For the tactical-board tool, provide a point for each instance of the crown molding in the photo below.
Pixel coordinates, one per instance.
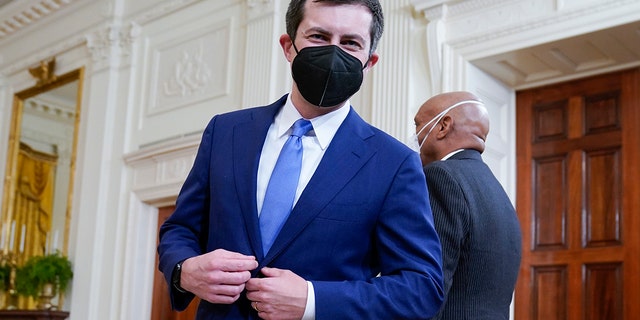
(162, 10)
(472, 32)
(21, 14)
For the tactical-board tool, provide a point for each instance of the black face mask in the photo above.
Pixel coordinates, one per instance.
(326, 76)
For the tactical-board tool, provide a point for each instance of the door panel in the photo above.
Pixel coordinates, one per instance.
(161, 305)
(577, 157)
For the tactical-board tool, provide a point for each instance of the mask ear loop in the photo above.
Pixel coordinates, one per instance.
(366, 62)
(441, 115)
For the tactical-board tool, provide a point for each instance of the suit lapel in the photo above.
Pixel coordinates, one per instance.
(248, 139)
(346, 154)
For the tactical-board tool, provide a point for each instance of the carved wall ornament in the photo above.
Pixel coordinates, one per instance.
(191, 74)
(186, 70)
(111, 44)
(44, 72)
(259, 8)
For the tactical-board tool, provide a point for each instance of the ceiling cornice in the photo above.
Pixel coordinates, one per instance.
(21, 14)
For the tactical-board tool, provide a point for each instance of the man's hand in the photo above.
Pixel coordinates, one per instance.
(218, 276)
(281, 294)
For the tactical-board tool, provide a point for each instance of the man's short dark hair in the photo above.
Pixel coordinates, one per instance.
(295, 13)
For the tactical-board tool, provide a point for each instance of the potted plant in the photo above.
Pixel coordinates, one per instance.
(44, 276)
(5, 273)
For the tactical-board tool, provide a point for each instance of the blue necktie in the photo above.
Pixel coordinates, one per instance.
(281, 190)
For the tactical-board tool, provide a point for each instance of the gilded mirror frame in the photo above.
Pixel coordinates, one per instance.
(46, 81)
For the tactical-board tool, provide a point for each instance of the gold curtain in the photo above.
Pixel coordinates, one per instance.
(33, 207)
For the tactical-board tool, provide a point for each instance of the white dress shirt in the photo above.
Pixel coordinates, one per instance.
(314, 145)
(450, 154)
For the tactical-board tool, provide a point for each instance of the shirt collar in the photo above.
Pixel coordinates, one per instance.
(449, 155)
(324, 126)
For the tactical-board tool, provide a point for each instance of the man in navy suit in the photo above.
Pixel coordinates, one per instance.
(359, 241)
(476, 222)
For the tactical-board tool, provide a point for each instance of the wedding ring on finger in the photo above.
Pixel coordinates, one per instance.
(255, 306)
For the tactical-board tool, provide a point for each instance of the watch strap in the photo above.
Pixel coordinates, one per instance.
(175, 277)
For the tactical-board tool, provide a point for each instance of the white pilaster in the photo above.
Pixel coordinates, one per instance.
(266, 70)
(100, 204)
(390, 83)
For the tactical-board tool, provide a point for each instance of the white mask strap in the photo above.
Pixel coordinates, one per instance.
(440, 116)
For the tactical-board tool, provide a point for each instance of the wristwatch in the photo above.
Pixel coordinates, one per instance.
(175, 277)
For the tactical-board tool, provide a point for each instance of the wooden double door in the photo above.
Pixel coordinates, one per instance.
(578, 199)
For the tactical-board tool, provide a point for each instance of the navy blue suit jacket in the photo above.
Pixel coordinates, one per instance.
(362, 230)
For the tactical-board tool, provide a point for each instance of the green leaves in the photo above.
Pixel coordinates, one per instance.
(5, 272)
(40, 270)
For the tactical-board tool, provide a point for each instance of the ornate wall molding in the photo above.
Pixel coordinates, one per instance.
(60, 111)
(475, 29)
(191, 74)
(471, 6)
(25, 13)
(111, 45)
(259, 8)
(431, 10)
(162, 10)
(495, 19)
(160, 170)
(187, 69)
(40, 55)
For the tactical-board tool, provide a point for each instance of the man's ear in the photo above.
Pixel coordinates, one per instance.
(444, 126)
(287, 47)
(373, 59)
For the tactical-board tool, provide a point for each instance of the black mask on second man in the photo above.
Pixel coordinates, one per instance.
(326, 75)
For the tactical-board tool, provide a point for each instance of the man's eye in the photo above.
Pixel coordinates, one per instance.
(352, 44)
